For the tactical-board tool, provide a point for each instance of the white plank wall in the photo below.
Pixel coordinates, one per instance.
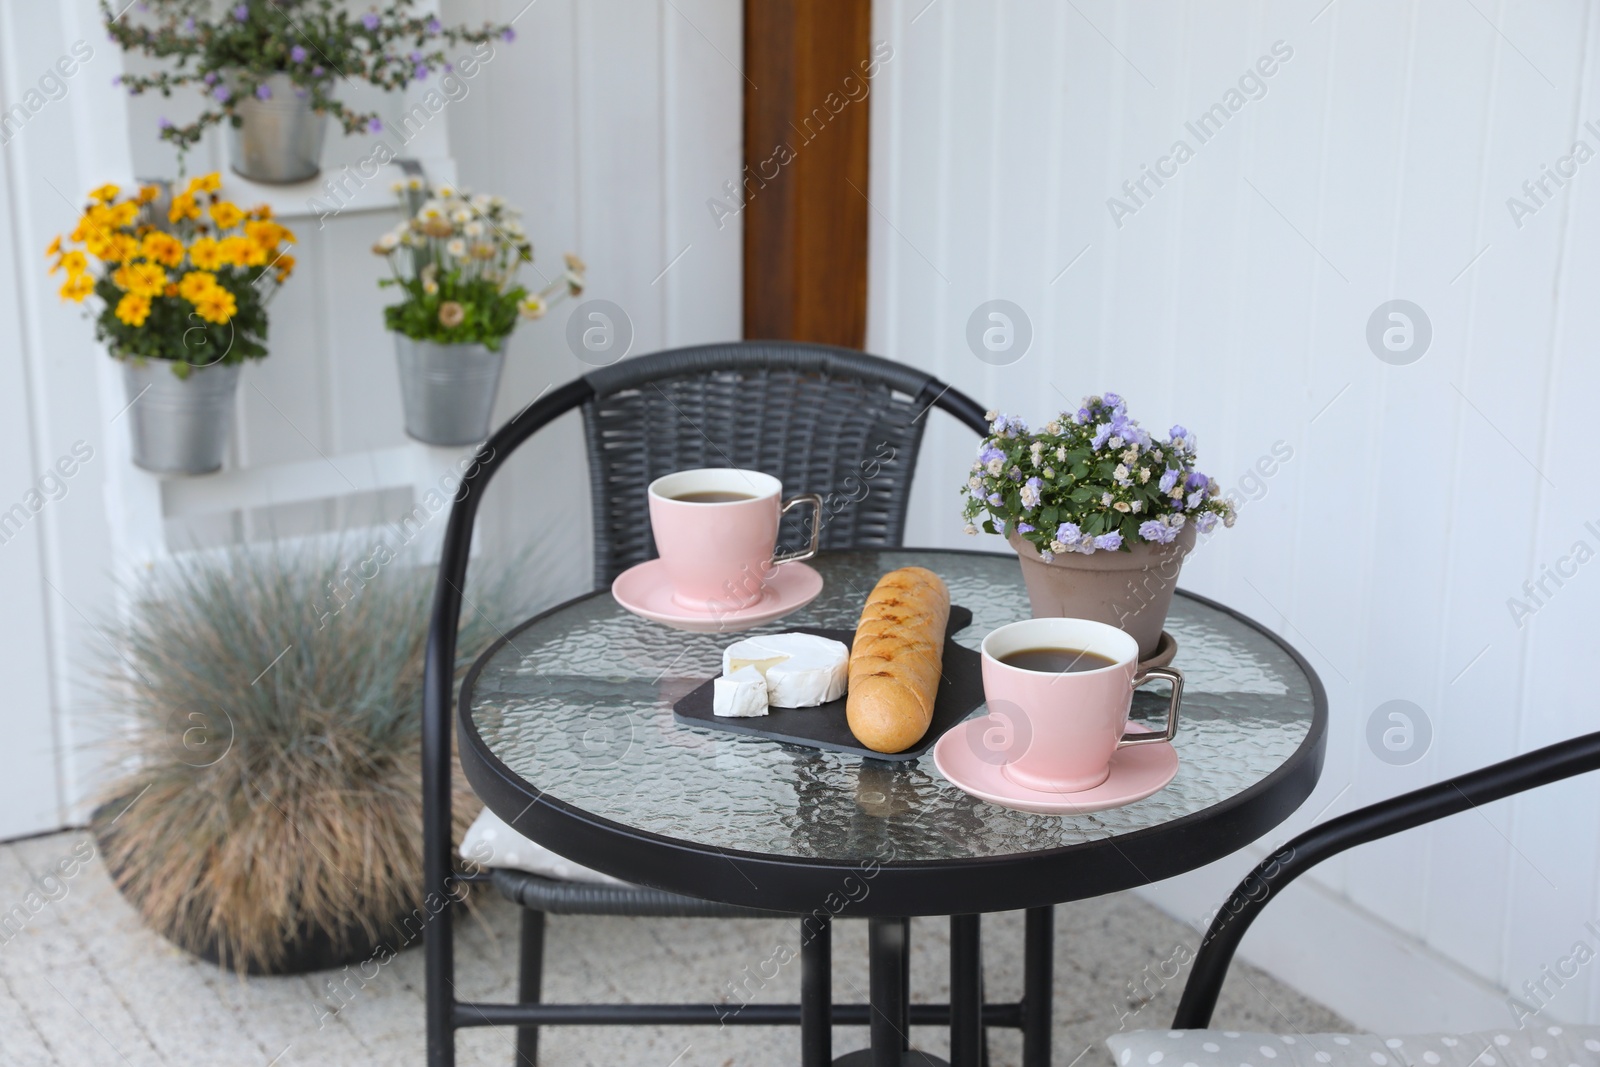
(1418, 499)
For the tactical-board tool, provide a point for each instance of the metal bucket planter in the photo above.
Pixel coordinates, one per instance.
(179, 425)
(279, 139)
(448, 390)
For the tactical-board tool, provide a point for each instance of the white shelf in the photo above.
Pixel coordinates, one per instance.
(343, 189)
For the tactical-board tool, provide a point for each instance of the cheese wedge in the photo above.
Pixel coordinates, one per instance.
(801, 670)
(740, 694)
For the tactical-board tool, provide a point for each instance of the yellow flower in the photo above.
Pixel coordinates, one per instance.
(142, 278)
(124, 214)
(148, 193)
(261, 211)
(106, 193)
(227, 214)
(74, 261)
(285, 265)
(55, 247)
(119, 248)
(133, 309)
(242, 252)
(206, 254)
(205, 183)
(183, 207)
(77, 287)
(267, 234)
(216, 305)
(196, 284)
(163, 248)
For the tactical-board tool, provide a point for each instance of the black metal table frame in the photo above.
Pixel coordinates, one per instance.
(1033, 883)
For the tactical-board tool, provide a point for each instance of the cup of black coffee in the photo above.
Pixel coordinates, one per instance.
(1069, 685)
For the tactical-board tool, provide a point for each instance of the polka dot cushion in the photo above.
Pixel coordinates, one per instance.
(491, 842)
(1533, 1046)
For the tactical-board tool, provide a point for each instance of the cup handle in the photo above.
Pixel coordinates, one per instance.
(1176, 678)
(816, 526)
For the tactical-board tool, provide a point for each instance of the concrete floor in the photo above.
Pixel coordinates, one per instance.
(83, 983)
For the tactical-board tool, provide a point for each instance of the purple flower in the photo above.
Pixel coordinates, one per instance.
(994, 499)
(374, 125)
(1169, 478)
(1015, 474)
(1195, 499)
(1047, 555)
(1112, 400)
(509, 34)
(298, 53)
(1068, 533)
(1110, 542)
(164, 122)
(1177, 433)
(1101, 434)
(1205, 522)
(263, 91)
(1196, 481)
(241, 12)
(990, 453)
(1157, 532)
(370, 20)
(1083, 414)
(222, 94)
(210, 78)
(188, 24)
(316, 71)
(419, 72)
(433, 26)
(116, 80)
(1023, 527)
(1030, 493)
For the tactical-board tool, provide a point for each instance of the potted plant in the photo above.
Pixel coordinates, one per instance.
(268, 814)
(1100, 513)
(183, 283)
(455, 261)
(268, 68)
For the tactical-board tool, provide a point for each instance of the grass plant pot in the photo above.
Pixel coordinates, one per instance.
(277, 139)
(269, 719)
(447, 390)
(179, 425)
(1130, 590)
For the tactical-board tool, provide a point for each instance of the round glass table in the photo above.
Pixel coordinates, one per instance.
(567, 732)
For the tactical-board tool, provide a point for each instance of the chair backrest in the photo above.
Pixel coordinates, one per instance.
(831, 421)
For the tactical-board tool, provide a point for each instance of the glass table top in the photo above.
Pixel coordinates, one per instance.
(579, 705)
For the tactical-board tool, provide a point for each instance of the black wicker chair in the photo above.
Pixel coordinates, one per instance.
(1450, 797)
(811, 415)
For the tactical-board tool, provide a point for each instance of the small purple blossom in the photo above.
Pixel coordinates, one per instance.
(420, 72)
(222, 94)
(241, 12)
(1169, 478)
(164, 122)
(1102, 434)
(1023, 527)
(210, 78)
(188, 24)
(374, 125)
(316, 71)
(1047, 555)
(116, 80)
(433, 26)
(1112, 400)
(1068, 533)
(1195, 499)
(1030, 493)
(1109, 542)
(509, 34)
(1157, 532)
(1205, 522)
(994, 499)
(1196, 480)
(370, 20)
(989, 454)
(298, 53)
(263, 91)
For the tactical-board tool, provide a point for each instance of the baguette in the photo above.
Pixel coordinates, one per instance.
(895, 659)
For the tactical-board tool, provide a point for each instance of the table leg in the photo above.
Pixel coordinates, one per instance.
(888, 947)
(966, 992)
(816, 991)
(1038, 958)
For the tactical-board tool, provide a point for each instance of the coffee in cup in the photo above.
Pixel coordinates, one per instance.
(716, 529)
(1061, 690)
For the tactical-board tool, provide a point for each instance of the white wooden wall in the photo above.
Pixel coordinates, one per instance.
(609, 129)
(1418, 499)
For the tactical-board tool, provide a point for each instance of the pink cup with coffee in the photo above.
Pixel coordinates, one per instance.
(716, 529)
(1058, 728)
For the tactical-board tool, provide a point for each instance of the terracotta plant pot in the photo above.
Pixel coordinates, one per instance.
(1129, 590)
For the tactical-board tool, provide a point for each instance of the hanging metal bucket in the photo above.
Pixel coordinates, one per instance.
(179, 425)
(279, 139)
(448, 390)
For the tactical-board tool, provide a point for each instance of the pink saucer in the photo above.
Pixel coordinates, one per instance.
(1136, 773)
(644, 590)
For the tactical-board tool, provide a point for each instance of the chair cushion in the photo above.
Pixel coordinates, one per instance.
(491, 842)
(1548, 1045)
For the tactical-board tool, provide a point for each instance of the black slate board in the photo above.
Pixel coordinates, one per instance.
(825, 726)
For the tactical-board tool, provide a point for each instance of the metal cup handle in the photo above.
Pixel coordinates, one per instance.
(816, 526)
(1176, 678)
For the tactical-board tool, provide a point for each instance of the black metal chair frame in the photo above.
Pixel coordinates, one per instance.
(445, 1011)
(1407, 811)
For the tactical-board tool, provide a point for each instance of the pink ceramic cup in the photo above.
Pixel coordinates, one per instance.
(720, 556)
(1057, 732)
